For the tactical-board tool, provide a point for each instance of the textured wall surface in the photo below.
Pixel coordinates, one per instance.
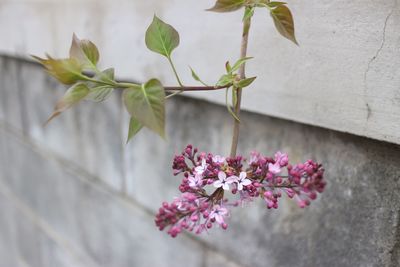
(73, 195)
(344, 76)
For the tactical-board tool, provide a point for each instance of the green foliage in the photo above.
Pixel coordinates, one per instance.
(85, 52)
(73, 96)
(239, 63)
(248, 13)
(134, 127)
(146, 104)
(283, 20)
(67, 71)
(228, 105)
(225, 80)
(227, 5)
(161, 37)
(245, 82)
(100, 92)
(197, 78)
(231, 78)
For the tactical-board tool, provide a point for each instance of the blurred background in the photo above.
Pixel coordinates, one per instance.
(74, 195)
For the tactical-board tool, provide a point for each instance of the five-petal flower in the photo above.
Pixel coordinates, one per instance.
(241, 180)
(202, 168)
(223, 181)
(218, 213)
(195, 181)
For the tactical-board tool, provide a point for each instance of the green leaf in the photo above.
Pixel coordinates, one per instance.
(239, 63)
(248, 13)
(146, 104)
(225, 80)
(284, 22)
(227, 5)
(106, 75)
(67, 71)
(245, 82)
(75, 94)
(134, 128)
(275, 4)
(100, 93)
(228, 106)
(197, 78)
(228, 67)
(161, 38)
(84, 51)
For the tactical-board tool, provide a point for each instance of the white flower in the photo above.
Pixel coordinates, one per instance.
(202, 168)
(241, 180)
(218, 213)
(195, 181)
(223, 181)
(218, 159)
(274, 168)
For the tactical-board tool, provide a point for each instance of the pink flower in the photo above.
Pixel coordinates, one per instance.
(202, 168)
(281, 158)
(218, 213)
(254, 157)
(195, 181)
(197, 210)
(274, 168)
(223, 181)
(241, 180)
(218, 159)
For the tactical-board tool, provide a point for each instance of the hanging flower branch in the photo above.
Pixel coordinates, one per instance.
(207, 178)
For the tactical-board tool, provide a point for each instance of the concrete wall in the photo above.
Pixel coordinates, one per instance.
(344, 76)
(73, 194)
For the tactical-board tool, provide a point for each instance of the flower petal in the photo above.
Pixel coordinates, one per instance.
(217, 184)
(246, 182)
(225, 186)
(221, 176)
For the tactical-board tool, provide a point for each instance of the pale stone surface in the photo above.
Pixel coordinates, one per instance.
(354, 223)
(24, 243)
(213, 259)
(344, 76)
(362, 194)
(90, 124)
(110, 230)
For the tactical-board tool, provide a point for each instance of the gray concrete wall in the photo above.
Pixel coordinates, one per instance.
(73, 195)
(344, 76)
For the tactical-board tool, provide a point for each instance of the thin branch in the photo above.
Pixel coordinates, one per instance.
(242, 74)
(195, 88)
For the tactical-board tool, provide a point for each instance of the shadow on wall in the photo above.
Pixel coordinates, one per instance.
(73, 194)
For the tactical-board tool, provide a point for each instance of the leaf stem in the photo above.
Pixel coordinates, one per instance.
(242, 74)
(175, 72)
(195, 88)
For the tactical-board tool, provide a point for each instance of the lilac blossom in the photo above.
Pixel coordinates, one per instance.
(196, 180)
(281, 158)
(274, 168)
(217, 159)
(201, 168)
(223, 181)
(241, 180)
(207, 180)
(218, 213)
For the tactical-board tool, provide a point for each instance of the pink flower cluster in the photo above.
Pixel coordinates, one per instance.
(207, 178)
